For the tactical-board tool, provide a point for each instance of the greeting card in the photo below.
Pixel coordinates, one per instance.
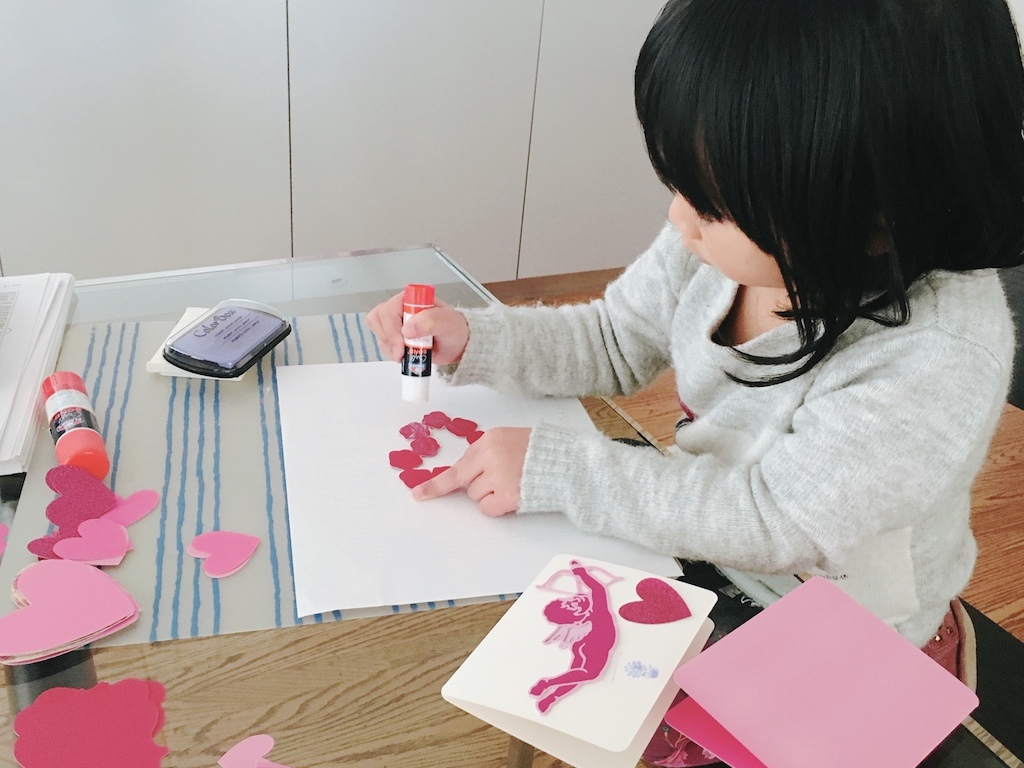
(581, 665)
(816, 679)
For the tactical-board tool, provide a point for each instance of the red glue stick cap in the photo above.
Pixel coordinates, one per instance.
(418, 295)
(84, 448)
(63, 380)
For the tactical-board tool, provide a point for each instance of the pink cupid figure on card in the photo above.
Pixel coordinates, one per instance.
(586, 624)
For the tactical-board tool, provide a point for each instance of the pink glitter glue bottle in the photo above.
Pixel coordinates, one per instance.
(73, 424)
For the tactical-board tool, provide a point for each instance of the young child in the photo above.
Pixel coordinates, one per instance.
(847, 174)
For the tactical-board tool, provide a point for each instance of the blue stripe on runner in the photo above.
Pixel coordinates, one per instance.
(216, 496)
(179, 528)
(130, 368)
(348, 338)
(200, 504)
(161, 537)
(334, 335)
(269, 491)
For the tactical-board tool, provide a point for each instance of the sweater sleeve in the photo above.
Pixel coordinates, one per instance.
(889, 427)
(614, 345)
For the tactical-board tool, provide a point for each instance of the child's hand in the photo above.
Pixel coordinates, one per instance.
(445, 323)
(490, 470)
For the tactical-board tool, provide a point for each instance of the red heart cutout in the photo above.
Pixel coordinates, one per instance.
(425, 446)
(462, 427)
(405, 459)
(414, 477)
(659, 603)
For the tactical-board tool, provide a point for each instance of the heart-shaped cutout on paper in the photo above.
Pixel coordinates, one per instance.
(414, 477)
(62, 605)
(659, 603)
(99, 542)
(250, 753)
(224, 552)
(80, 497)
(131, 509)
(110, 724)
(4, 530)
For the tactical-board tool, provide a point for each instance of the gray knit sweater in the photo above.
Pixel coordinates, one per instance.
(879, 442)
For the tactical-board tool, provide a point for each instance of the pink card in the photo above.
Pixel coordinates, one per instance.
(816, 678)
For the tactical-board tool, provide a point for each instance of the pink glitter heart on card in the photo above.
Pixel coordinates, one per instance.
(99, 542)
(224, 552)
(250, 753)
(659, 603)
(80, 497)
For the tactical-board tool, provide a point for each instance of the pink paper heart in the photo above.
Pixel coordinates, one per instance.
(131, 509)
(462, 427)
(414, 430)
(414, 477)
(404, 459)
(659, 603)
(99, 542)
(225, 552)
(4, 530)
(110, 724)
(80, 497)
(436, 419)
(63, 605)
(250, 753)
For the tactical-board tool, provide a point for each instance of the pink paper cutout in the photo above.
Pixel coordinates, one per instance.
(405, 459)
(422, 445)
(131, 509)
(112, 725)
(99, 542)
(225, 552)
(4, 530)
(414, 430)
(250, 753)
(80, 496)
(659, 603)
(586, 624)
(426, 446)
(62, 605)
(414, 477)
(436, 420)
(462, 427)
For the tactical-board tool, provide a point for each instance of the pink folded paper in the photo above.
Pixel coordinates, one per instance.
(816, 679)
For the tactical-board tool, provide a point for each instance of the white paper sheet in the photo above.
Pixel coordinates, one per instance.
(359, 539)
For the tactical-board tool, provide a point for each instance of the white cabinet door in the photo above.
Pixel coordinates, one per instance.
(138, 136)
(411, 124)
(593, 200)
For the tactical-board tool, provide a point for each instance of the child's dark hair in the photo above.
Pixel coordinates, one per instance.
(861, 143)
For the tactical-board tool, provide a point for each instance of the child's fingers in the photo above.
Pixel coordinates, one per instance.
(385, 320)
(441, 484)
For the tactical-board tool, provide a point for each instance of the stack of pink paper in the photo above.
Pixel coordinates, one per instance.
(62, 605)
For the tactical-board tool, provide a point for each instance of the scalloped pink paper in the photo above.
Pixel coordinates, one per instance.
(110, 724)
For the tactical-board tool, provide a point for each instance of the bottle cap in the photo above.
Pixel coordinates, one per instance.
(416, 389)
(63, 380)
(418, 295)
(83, 448)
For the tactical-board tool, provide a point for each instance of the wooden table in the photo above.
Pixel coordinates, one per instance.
(366, 692)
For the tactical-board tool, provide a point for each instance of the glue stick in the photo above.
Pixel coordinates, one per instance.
(416, 359)
(73, 424)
